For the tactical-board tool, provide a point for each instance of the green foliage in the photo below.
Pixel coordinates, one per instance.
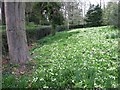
(33, 33)
(81, 58)
(113, 35)
(9, 81)
(111, 14)
(94, 16)
(50, 11)
(113, 17)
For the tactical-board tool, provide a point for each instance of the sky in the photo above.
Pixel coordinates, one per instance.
(95, 2)
(98, 1)
(91, 1)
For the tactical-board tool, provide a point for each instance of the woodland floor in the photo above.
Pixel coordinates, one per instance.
(79, 58)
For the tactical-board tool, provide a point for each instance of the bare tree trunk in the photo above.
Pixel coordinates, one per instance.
(16, 35)
(0, 13)
(100, 3)
(53, 29)
(68, 14)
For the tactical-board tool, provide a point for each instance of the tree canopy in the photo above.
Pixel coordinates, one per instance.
(94, 16)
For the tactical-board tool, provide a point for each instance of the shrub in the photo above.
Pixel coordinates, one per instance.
(61, 28)
(76, 26)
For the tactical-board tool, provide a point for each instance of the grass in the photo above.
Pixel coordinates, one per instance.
(80, 58)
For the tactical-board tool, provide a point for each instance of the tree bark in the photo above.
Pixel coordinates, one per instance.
(16, 35)
(0, 13)
(53, 30)
(3, 14)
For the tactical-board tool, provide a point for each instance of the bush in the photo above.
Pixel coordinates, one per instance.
(64, 27)
(61, 28)
(76, 26)
(36, 34)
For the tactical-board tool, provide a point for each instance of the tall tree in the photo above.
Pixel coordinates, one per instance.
(94, 16)
(110, 15)
(51, 12)
(72, 12)
(16, 35)
(28, 11)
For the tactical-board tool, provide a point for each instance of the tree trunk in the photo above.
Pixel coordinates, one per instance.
(53, 30)
(16, 35)
(0, 13)
(3, 14)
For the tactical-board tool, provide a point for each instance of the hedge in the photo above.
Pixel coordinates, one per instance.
(34, 34)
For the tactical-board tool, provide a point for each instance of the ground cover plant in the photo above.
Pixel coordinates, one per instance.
(79, 58)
